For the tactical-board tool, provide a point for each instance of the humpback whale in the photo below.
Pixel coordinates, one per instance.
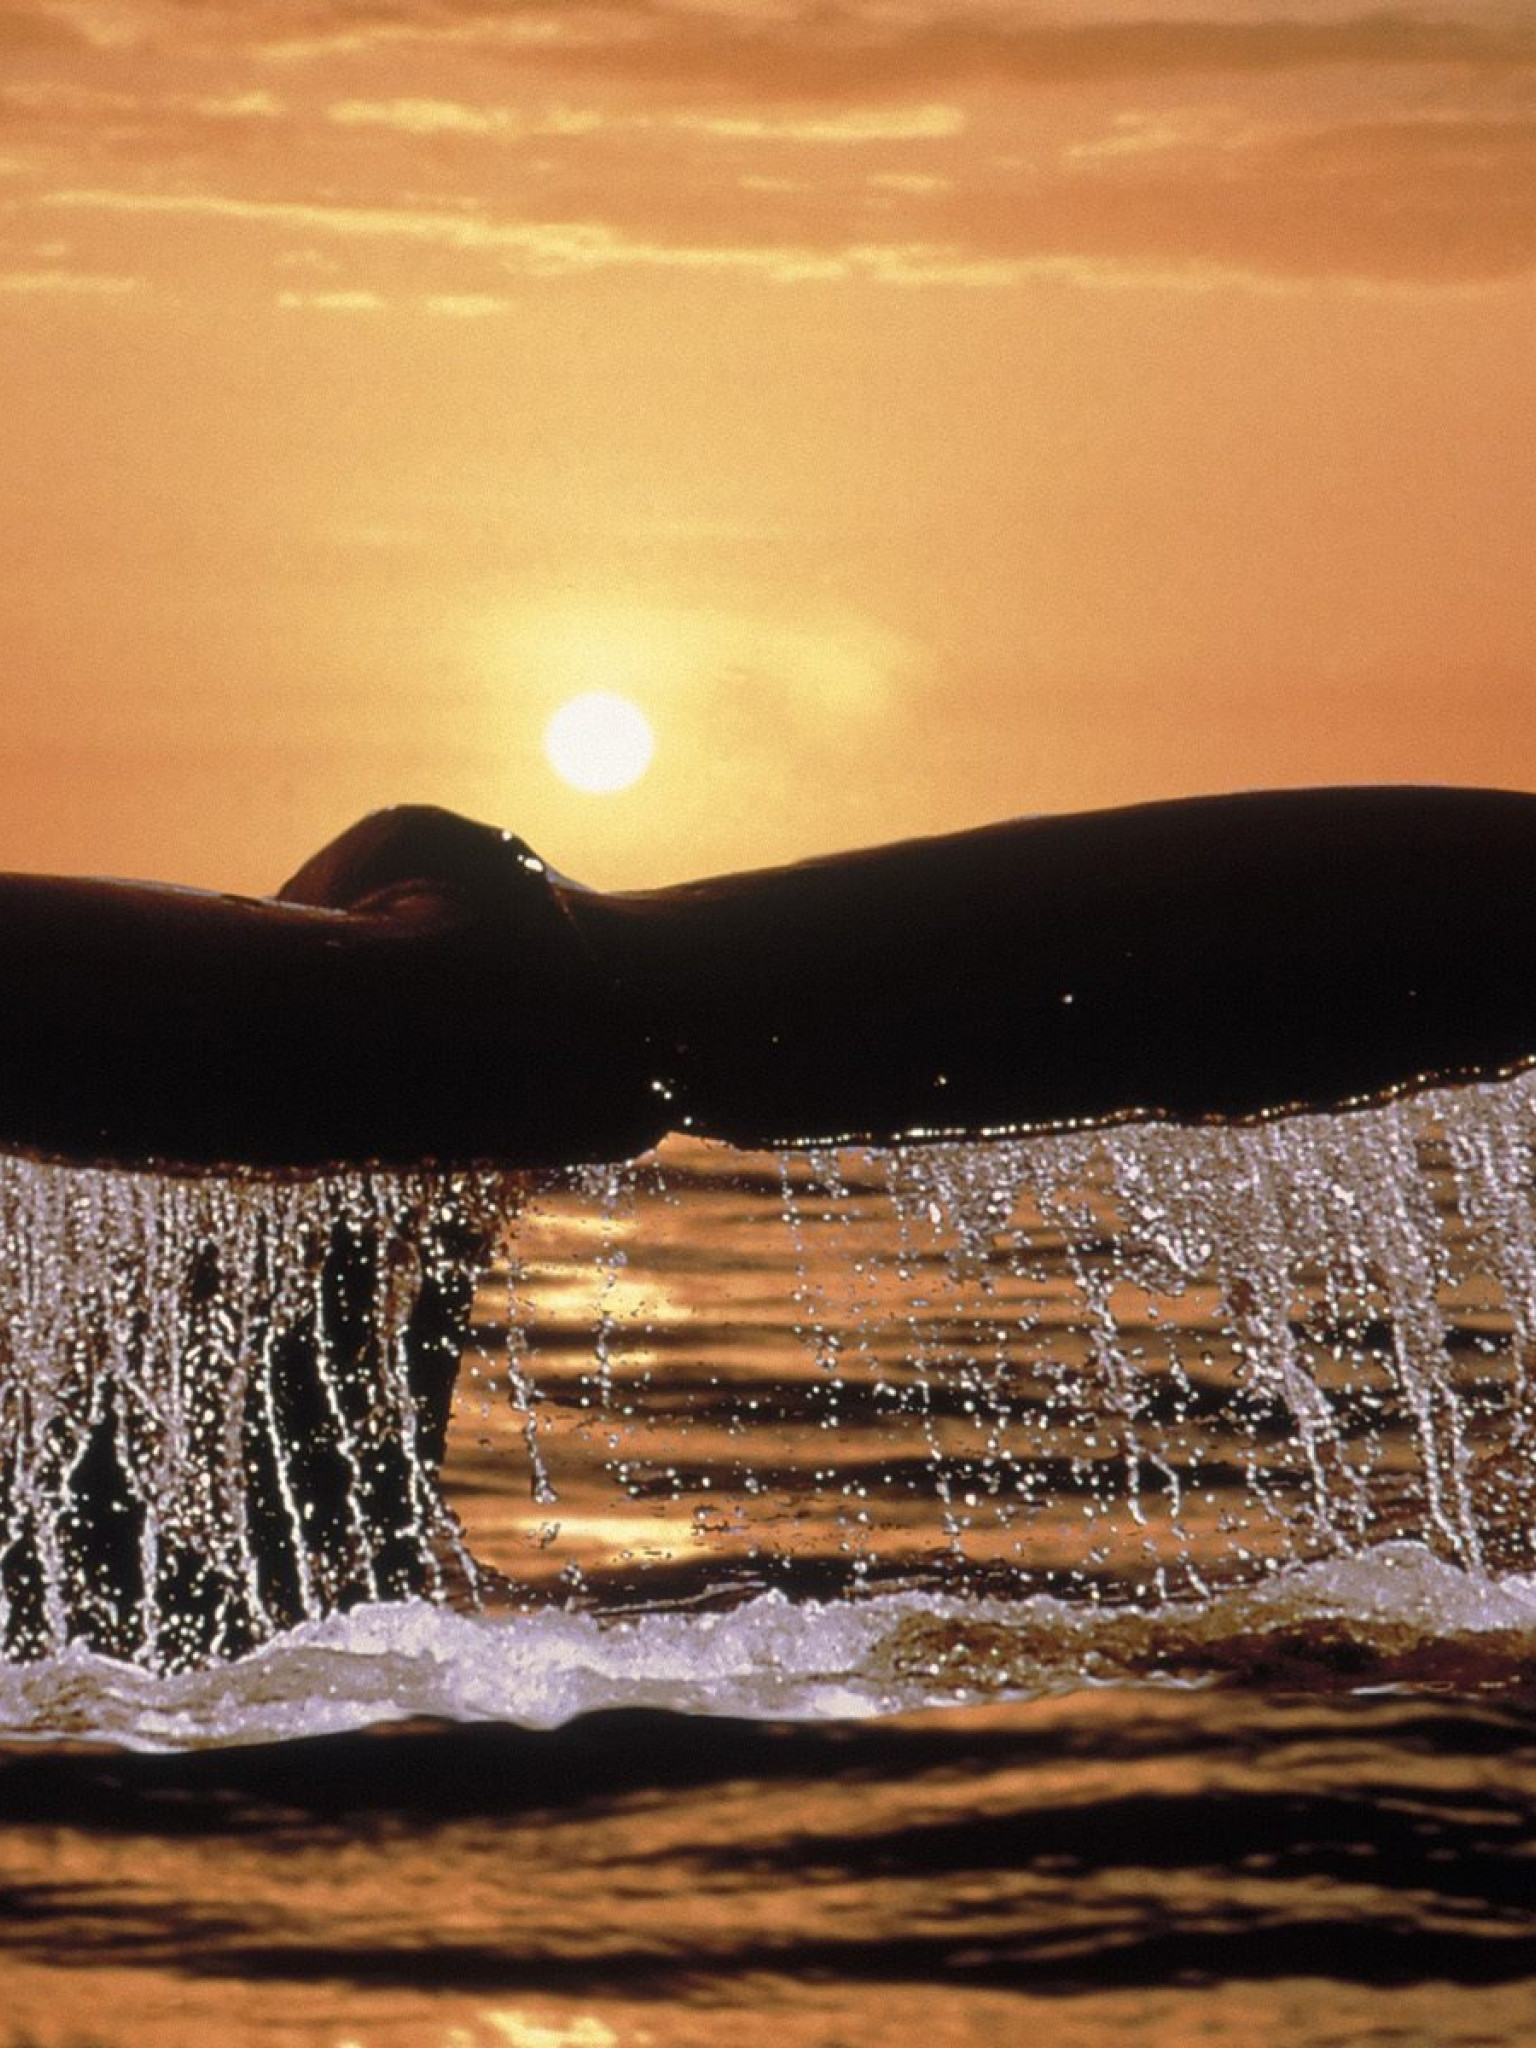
(427, 989)
(426, 992)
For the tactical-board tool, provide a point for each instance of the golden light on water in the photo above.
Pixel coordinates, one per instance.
(599, 742)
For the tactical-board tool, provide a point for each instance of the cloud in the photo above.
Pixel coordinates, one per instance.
(447, 229)
(1138, 134)
(849, 52)
(67, 284)
(860, 125)
(855, 125)
(1445, 146)
(425, 117)
(1450, 198)
(299, 34)
(312, 261)
(909, 183)
(844, 50)
(901, 170)
(465, 305)
(51, 109)
(1445, 199)
(332, 302)
(559, 248)
(67, 100)
(34, 28)
(435, 117)
(238, 106)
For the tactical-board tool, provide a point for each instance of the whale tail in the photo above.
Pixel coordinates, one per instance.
(426, 988)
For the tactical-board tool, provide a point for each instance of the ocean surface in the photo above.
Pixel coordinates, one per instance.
(1024, 1591)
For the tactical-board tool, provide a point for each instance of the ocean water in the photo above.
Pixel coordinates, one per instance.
(1064, 1585)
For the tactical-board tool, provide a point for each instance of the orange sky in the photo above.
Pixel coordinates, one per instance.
(927, 413)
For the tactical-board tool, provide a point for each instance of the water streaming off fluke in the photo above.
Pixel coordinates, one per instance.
(1093, 1401)
(220, 1400)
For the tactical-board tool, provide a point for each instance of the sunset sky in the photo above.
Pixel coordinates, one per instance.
(925, 413)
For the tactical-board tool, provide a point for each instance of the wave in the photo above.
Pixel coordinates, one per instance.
(1393, 1617)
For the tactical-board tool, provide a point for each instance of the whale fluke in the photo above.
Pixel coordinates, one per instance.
(426, 989)
(1218, 958)
(426, 993)
(416, 994)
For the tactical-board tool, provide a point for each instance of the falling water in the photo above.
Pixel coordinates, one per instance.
(216, 1400)
(1113, 1370)
(1116, 1365)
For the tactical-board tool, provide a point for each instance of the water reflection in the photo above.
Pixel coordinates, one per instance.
(631, 1870)
(1122, 1367)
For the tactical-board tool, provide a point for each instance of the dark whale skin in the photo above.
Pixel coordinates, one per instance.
(426, 990)
(440, 1009)
(1224, 957)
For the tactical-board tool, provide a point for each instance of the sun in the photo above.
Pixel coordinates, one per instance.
(599, 742)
